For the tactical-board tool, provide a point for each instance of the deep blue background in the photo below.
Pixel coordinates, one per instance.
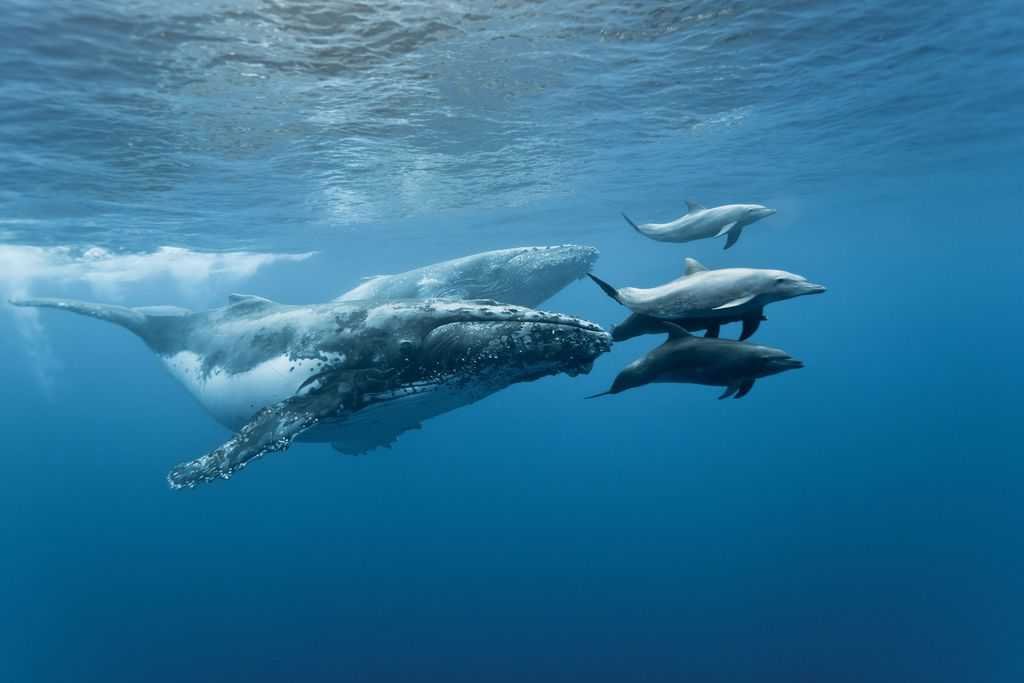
(857, 520)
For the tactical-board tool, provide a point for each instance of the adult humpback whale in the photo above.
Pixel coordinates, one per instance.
(526, 276)
(352, 373)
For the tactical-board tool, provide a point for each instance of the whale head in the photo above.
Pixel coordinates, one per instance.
(524, 276)
(528, 276)
(401, 349)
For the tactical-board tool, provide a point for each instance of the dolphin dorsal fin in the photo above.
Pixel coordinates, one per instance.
(692, 206)
(675, 331)
(692, 266)
(247, 298)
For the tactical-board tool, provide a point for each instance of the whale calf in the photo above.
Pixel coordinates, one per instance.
(725, 294)
(351, 373)
(688, 359)
(525, 276)
(701, 223)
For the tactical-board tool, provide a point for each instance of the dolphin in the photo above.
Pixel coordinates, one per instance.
(700, 223)
(638, 323)
(685, 358)
(353, 374)
(725, 295)
(525, 276)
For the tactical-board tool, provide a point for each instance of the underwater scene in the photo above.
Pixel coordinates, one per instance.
(511, 341)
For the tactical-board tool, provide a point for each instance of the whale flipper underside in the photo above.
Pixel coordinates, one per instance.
(272, 429)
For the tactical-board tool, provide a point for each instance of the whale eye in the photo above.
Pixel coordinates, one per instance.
(406, 347)
(781, 280)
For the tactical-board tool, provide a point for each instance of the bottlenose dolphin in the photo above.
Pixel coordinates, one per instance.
(700, 223)
(685, 358)
(638, 323)
(725, 294)
(354, 374)
(525, 276)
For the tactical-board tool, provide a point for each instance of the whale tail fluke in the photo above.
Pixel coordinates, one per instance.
(138, 320)
(605, 287)
(630, 221)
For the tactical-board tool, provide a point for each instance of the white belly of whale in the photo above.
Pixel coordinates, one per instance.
(233, 398)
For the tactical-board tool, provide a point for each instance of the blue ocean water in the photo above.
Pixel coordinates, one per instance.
(856, 520)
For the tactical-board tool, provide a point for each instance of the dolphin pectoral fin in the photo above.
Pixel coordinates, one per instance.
(734, 235)
(734, 303)
(729, 391)
(692, 206)
(725, 229)
(745, 387)
(713, 331)
(272, 429)
(750, 325)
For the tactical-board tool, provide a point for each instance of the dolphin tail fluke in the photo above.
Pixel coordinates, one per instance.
(119, 315)
(607, 288)
(630, 221)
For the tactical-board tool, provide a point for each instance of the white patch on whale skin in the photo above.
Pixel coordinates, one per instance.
(233, 398)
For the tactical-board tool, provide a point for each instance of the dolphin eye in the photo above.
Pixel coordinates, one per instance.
(781, 280)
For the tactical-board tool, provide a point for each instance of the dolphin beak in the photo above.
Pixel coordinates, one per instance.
(816, 289)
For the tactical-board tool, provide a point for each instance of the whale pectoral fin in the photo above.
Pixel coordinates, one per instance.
(745, 387)
(729, 391)
(734, 235)
(713, 331)
(734, 303)
(725, 228)
(272, 429)
(750, 324)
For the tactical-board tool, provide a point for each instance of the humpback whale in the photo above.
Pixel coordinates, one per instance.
(725, 295)
(525, 276)
(700, 223)
(688, 359)
(355, 374)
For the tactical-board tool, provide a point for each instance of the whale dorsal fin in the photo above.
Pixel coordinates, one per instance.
(675, 331)
(692, 266)
(692, 206)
